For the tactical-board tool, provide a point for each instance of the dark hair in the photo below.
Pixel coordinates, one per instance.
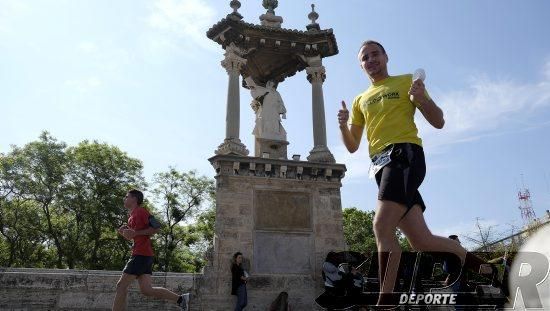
(280, 303)
(236, 255)
(372, 42)
(332, 257)
(453, 236)
(137, 194)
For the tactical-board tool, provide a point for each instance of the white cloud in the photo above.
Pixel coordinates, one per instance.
(84, 85)
(87, 47)
(488, 107)
(180, 23)
(106, 59)
(9, 11)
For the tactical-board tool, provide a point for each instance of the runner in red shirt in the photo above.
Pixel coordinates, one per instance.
(140, 266)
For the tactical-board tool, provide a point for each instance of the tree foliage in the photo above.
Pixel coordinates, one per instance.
(60, 207)
(180, 196)
(359, 234)
(358, 231)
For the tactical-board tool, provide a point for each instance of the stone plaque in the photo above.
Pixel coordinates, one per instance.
(282, 210)
(276, 252)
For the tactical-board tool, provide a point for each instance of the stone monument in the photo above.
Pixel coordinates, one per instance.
(283, 214)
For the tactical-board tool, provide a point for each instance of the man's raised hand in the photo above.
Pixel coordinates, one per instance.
(343, 115)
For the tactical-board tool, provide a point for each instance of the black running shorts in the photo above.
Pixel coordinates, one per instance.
(138, 265)
(400, 179)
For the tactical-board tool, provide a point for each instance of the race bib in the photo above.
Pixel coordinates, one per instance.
(379, 161)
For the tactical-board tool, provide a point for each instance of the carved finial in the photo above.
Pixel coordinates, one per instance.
(313, 16)
(235, 5)
(270, 5)
(269, 18)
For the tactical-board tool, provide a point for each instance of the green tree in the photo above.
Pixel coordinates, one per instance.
(21, 241)
(358, 231)
(66, 203)
(60, 207)
(93, 197)
(37, 172)
(20, 229)
(180, 196)
(202, 233)
(359, 234)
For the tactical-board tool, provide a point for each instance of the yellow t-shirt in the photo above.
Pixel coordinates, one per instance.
(387, 113)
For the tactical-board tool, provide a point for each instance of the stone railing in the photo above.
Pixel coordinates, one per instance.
(83, 290)
(277, 168)
(51, 289)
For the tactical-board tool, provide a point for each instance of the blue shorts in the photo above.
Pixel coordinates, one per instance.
(138, 265)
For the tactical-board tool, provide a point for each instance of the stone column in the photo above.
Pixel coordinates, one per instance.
(316, 76)
(233, 63)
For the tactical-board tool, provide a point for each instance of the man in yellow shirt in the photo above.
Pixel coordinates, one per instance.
(386, 109)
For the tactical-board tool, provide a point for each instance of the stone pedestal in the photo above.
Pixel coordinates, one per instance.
(284, 216)
(320, 154)
(275, 148)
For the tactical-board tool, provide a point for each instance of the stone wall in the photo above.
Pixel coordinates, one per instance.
(81, 290)
(284, 216)
(51, 289)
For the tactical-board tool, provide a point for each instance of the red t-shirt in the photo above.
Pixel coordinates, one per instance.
(139, 220)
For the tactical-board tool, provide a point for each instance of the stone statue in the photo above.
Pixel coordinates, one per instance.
(268, 106)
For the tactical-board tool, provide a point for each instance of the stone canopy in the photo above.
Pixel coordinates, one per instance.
(273, 53)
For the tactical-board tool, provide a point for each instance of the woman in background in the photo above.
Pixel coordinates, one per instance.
(238, 281)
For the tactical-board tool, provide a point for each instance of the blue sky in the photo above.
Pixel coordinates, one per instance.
(142, 75)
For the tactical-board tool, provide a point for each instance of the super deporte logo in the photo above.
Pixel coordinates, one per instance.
(390, 95)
